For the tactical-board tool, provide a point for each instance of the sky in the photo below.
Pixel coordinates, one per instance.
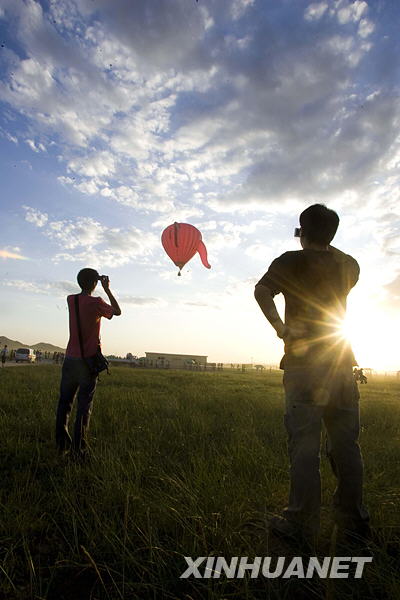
(120, 118)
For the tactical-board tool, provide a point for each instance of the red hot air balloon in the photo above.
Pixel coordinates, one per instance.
(181, 241)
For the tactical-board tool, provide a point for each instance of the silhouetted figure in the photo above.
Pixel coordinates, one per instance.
(359, 376)
(318, 376)
(4, 354)
(362, 378)
(76, 371)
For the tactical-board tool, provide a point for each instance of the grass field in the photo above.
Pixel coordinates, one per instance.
(184, 464)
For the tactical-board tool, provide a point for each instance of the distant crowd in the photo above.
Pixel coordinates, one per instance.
(56, 357)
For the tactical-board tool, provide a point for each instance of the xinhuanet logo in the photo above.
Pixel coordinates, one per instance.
(332, 567)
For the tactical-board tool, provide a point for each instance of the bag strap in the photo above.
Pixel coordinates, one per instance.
(78, 323)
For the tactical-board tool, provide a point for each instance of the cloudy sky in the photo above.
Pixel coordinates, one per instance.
(119, 118)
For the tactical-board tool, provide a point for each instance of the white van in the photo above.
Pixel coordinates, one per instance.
(24, 355)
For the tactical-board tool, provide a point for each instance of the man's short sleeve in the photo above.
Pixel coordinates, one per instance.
(352, 272)
(104, 309)
(279, 274)
(350, 269)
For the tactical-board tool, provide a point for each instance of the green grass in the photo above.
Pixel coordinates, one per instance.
(184, 464)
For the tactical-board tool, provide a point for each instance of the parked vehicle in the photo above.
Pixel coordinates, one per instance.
(24, 355)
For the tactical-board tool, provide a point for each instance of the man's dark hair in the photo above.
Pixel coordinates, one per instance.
(87, 278)
(319, 224)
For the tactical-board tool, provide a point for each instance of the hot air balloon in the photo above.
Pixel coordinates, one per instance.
(181, 241)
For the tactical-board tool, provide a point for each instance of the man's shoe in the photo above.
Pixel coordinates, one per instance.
(283, 528)
(357, 540)
(292, 532)
(354, 530)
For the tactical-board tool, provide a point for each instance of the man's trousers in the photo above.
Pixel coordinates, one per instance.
(329, 396)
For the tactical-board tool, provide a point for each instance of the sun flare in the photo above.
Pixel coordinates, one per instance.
(370, 333)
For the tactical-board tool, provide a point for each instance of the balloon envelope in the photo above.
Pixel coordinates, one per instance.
(181, 241)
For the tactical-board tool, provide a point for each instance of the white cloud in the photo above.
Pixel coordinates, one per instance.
(183, 214)
(352, 12)
(36, 147)
(260, 251)
(142, 301)
(365, 28)
(84, 231)
(84, 239)
(393, 290)
(219, 240)
(89, 187)
(171, 275)
(49, 288)
(99, 164)
(315, 11)
(12, 253)
(8, 136)
(155, 109)
(239, 7)
(35, 216)
(195, 305)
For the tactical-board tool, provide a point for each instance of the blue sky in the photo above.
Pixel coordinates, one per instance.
(119, 118)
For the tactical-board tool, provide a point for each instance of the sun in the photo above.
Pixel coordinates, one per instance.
(370, 333)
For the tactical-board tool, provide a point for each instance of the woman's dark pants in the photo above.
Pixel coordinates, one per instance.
(75, 376)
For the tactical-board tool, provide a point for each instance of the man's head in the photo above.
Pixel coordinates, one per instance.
(318, 224)
(87, 279)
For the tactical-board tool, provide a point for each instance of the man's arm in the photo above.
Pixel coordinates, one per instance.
(105, 282)
(264, 297)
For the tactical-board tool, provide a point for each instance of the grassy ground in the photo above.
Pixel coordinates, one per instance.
(184, 464)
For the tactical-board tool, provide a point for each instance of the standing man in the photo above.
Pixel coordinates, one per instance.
(318, 376)
(75, 370)
(4, 353)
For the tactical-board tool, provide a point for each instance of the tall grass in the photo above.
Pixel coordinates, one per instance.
(183, 464)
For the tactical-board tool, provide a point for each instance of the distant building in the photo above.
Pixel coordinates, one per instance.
(159, 360)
